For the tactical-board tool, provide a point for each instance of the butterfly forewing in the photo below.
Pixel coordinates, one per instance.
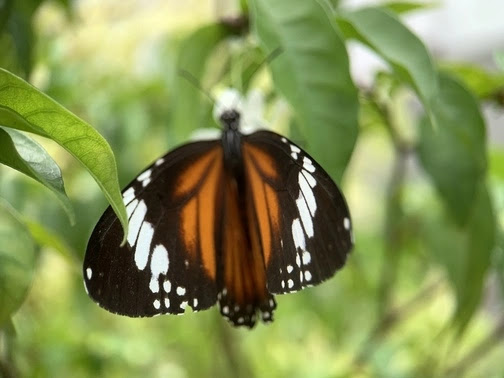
(305, 223)
(169, 261)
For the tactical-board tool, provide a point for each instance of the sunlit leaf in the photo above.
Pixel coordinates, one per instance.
(25, 108)
(481, 82)
(188, 105)
(389, 38)
(454, 154)
(402, 7)
(22, 153)
(17, 261)
(312, 72)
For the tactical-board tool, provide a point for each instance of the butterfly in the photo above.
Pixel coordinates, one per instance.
(233, 220)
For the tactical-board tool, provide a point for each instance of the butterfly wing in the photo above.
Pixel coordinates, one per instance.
(169, 260)
(303, 220)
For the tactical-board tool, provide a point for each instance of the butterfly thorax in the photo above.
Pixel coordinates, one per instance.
(231, 142)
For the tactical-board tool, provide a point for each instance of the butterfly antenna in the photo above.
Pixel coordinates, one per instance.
(269, 58)
(194, 81)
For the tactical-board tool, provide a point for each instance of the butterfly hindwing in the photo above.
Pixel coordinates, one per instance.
(169, 260)
(304, 221)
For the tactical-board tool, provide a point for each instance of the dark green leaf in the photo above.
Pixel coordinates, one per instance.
(17, 261)
(390, 39)
(188, 107)
(22, 153)
(25, 108)
(402, 7)
(465, 252)
(313, 74)
(454, 154)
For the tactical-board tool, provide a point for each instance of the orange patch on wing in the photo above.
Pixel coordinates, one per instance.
(207, 199)
(188, 217)
(265, 207)
(198, 215)
(274, 209)
(189, 179)
(244, 272)
(264, 162)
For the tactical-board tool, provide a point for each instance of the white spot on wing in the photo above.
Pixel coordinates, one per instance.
(146, 182)
(307, 275)
(289, 268)
(144, 175)
(346, 223)
(154, 285)
(159, 265)
(181, 290)
(295, 149)
(307, 194)
(128, 195)
(308, 165)
(159, 162)
(311, 180)
(298, 235)
(131, 207)
(298, 260)
(290, 284)
(143, 245)
(157, 304)
(195, 302)
(284, 139)
(183, 305)
(136, 222)
(305, 215)
(89, 273)
(306, 257)
(167, 286)
(167, 302)
(225, 310)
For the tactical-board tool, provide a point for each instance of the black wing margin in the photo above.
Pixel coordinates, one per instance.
(313, 236)
(166, 264)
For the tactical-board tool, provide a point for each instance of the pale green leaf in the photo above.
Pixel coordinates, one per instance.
(312, 72)
(17, 261)
(22, 153)
(404, 51)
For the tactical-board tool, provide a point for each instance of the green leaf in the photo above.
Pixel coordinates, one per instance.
(454, 154)
(22, 153)
(313, 74)
(389, 38)
(45, 237)
(402, 7)
(188, 107)
(25, 108)
(465, 252)
(17, 261)
(481, 82)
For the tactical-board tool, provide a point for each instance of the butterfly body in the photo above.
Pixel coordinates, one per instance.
(234, 220)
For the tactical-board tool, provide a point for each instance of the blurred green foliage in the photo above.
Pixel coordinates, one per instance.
(422, 293)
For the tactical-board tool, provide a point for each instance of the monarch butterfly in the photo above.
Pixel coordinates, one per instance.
(234, 220)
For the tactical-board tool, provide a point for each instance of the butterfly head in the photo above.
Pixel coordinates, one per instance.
(230, 119)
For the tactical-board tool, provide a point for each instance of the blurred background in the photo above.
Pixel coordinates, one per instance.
(388, 313)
